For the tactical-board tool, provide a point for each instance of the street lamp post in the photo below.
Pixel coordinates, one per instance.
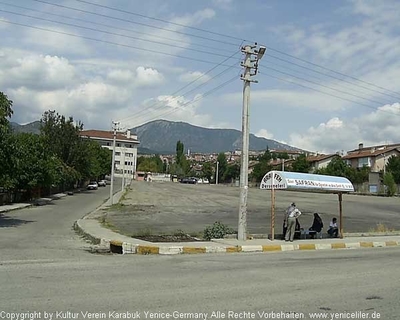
(248, 65)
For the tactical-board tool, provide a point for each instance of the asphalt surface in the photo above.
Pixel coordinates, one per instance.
(45, 232)
(45, 266)
(329, 282)
(154, 208)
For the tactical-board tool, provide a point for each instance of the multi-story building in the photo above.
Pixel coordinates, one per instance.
(375, 157)
(125, 149)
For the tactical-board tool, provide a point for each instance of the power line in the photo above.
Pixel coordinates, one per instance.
(328, 75)
(232, 37)
(297, 71)
(187, 85)
(161, 20)
(112, 33)
(105, 41)
(110, 26)
(329, 94)
(203, 30)
(196, 99)
(330, 70)
(134, 22)
(322, 85)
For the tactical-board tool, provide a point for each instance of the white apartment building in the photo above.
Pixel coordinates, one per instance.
(125, 149)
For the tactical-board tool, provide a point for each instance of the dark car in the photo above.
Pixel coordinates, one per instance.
(189, 180)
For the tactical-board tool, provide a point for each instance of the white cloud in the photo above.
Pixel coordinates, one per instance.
(192, 76)
(35, 71)
(58, 43)
(174, 108)
(292, 99)
(378, 127)
(121, 76)
(148, 77)
(263, 133)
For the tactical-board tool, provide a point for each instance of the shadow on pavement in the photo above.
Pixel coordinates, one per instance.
(7, 221)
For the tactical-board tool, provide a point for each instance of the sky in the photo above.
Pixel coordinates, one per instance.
(328, 81)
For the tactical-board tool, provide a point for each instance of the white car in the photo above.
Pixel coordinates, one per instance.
(102, 183)
(92, 185)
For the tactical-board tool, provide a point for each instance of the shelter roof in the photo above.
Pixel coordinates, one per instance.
(305, 181)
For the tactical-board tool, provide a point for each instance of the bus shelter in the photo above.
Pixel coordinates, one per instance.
(281, 180)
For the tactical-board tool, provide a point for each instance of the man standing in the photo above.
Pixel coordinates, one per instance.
(292, 214)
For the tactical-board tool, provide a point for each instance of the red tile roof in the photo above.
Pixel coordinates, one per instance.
(108, 135)
(320, 157)
(369, 153)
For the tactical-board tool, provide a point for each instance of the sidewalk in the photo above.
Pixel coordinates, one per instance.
(37, 202)
(122, 244)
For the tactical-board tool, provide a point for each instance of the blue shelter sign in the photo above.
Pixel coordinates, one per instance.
(305, 181)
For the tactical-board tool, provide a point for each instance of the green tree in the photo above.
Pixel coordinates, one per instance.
(6, 155)
(152, 164)
(222, 165)
(390, 184)
(182, 166)
(262, 167)
(179, 153)
(207, 170)
(232, 172)
(393, 166)
(301, 164)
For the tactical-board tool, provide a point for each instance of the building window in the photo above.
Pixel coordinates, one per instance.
(117, 162)
(118, 144)
(117, 154)
(364, 162)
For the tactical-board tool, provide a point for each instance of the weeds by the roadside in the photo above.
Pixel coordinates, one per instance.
(107, 224)
(381, 228)
(143, 233)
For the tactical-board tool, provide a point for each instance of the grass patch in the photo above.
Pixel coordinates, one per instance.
(381, 228)
(143, 233)
(107, 224)
(117, 207)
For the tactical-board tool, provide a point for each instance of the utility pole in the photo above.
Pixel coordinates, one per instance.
(123, 168)
(216, 174)
(248, 64)
(115, 127)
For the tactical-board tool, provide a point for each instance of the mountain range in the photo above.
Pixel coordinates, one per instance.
(161, 136)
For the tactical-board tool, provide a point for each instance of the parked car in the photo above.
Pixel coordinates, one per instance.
(92, 185)
(203, 180)
(189, 180)
(102, 183)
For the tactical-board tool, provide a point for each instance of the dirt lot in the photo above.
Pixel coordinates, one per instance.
(174, 208)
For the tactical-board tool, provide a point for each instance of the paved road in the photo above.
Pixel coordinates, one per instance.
(45, 232)
(168, 207)
(44, 266)
(335, 281)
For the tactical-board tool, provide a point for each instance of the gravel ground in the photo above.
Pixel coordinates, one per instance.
(172, 208)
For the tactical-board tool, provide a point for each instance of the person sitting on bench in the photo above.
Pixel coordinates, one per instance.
(316, 226)
(333, 230)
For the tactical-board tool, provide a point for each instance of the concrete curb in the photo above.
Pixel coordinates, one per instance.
(117, 246)
(13, 207)
(118, 243)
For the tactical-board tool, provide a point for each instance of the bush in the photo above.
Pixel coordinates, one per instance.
(217, 231)
(390, 185)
